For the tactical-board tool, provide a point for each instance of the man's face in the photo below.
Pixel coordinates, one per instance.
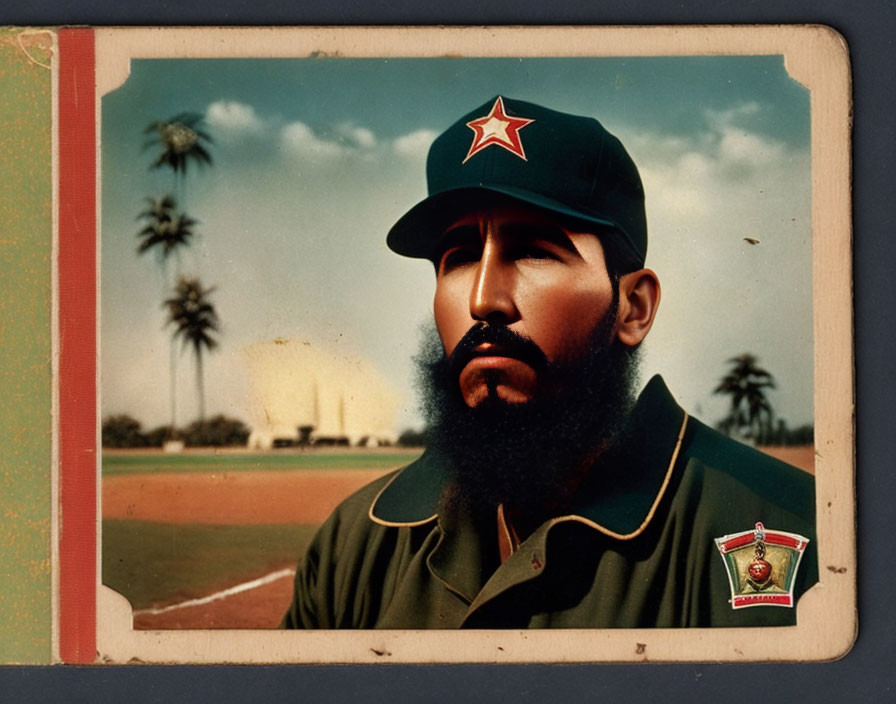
(515, 267)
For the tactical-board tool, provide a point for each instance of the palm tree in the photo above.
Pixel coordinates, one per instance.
(195, 322)
(181, 140)
(167, 230)
(746, 383)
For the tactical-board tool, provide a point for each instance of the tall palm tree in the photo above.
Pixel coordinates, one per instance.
(746, 383)
(182, 140)
(167, 230)
(195, 323)
(179, 141)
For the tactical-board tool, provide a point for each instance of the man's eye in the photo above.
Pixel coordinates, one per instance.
(459, 256)
(532, 251)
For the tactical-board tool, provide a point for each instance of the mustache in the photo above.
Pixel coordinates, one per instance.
(509, 343)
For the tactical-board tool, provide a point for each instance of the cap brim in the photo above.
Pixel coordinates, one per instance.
(417, 232)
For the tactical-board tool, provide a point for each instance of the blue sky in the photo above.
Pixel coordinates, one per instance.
(316, 158)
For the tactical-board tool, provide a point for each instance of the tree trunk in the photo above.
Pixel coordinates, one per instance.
(173, 383)
(172, 358)
(200, 384)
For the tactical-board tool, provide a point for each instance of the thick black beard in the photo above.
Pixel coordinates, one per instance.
(526, 455)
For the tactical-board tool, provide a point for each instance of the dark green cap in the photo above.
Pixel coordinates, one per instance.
(567, 164)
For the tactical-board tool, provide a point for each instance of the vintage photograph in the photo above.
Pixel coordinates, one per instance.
(459, 342)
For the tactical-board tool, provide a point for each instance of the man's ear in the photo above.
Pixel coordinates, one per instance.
(639, 297)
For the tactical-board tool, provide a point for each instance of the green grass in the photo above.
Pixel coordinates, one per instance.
(150, 463)
(162, 563)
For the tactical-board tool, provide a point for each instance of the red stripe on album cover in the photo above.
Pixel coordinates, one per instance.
(77, 346)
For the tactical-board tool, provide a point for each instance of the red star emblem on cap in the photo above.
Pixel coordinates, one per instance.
(498, 129)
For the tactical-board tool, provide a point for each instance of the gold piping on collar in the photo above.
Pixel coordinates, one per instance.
(508, 540)
(392, 524)
(560, 519)
(656, 501)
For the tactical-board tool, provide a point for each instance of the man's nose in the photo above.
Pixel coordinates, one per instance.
(492, 297)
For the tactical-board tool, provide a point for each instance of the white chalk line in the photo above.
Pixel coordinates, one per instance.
(244, 587)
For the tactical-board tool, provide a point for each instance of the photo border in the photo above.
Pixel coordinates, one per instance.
(810, 53)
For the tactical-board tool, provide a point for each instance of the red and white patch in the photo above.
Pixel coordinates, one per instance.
(754, 581)
(499, 129)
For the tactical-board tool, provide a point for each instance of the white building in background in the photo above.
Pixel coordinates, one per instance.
(297, 387)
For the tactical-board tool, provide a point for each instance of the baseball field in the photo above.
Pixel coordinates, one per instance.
(210, 539)
(207, 539)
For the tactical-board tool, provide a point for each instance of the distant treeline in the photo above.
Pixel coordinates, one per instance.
(768, 434)
(412, 438)
(124, 431)
(121, 431)
(780, 434)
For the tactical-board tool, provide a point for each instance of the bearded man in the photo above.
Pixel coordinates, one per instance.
(549, 496)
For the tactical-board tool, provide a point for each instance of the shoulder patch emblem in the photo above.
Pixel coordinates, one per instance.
(761, 565)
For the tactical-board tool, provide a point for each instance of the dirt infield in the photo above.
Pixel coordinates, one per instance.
(261, 607)
(239, 498)
(231, 498)
(802, 456)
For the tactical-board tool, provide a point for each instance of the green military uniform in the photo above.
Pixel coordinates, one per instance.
(637, 550)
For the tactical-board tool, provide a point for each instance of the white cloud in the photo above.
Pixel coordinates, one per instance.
(720, 119)
(356, 136)
(728, 168)
(740, 146)
(675, 198)
(414, 143)
(735, 143)
(299, 139)
(726, 155)
(232, 116)
(344, 139)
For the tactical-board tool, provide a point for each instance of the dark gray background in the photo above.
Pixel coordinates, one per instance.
(865, 674)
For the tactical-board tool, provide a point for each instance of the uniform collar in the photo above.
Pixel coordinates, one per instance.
(619, 498)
